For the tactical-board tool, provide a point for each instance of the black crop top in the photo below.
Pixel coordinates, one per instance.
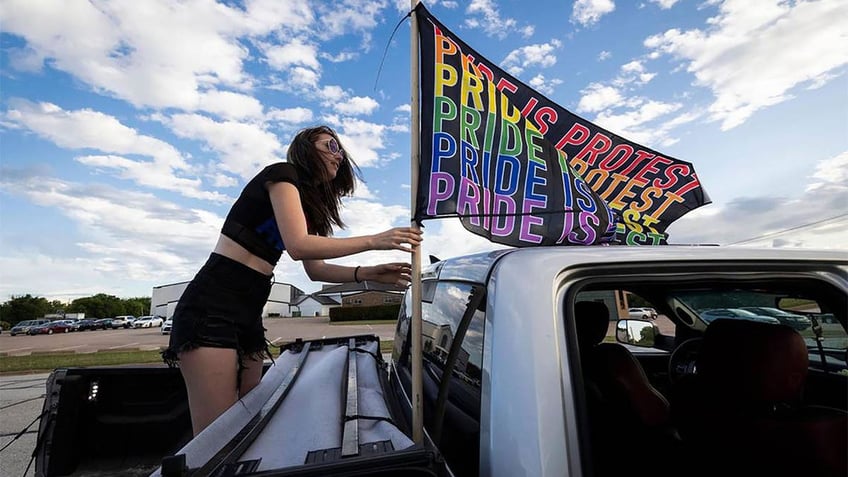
(251, 223)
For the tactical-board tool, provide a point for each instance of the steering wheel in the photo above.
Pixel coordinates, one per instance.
(683, 360)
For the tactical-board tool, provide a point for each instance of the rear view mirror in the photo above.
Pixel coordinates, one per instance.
(635, 332)
(798, 305)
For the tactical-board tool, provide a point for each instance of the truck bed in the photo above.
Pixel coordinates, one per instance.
(320, 409)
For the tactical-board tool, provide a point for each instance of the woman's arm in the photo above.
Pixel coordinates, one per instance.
(288, 211)
(389, 273)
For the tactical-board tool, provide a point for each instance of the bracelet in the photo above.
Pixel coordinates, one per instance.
(355, 272)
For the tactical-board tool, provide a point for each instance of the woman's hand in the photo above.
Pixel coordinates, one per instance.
(398, 238)
(389, 273)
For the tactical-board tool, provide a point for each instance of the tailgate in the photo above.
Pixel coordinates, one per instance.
(111, 421)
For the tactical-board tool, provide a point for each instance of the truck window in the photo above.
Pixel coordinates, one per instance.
(442, 309)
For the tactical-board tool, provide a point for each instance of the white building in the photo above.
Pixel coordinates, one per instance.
(314, 305)
(280, 302)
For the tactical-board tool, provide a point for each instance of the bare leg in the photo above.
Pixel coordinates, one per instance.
(210, 377)
(250, 376)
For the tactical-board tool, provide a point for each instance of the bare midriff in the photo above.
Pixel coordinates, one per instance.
(230, 249)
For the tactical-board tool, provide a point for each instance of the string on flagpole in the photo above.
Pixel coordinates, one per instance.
(386, 50)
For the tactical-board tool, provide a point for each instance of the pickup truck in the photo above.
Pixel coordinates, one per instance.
(526, 372)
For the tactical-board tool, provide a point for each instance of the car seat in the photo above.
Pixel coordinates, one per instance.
(626, 412)
(744, 407)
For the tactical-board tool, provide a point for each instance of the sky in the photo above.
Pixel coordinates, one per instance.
(127, 129)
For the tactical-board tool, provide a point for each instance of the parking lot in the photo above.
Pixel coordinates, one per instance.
(279, 330)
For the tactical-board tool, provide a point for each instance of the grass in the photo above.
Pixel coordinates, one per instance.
(44, 362)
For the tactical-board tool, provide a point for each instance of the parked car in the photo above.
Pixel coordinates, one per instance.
(799, 322)
(103, 324)
(643, 313)
(166, 326)
(123, 321)
(22, 327)
(58, 326)
(71, 323)
(147, 321)
(735, 314)
(85, 324)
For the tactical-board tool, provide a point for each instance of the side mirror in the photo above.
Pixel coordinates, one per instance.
(636, 332)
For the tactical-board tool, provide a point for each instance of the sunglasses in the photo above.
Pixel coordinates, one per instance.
(333, 146)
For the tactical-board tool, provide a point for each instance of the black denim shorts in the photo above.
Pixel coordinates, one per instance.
(221, 308)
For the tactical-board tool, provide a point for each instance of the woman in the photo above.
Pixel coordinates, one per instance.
(217, 334)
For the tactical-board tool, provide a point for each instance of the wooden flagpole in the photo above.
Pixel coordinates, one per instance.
(415, 158)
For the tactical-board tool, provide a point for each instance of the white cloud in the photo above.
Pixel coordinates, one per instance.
(365, 141)
(332, 93)
(633, 72)
(484, 14)
(589, 12)
(604, 55)
(447, 238)
(155, 53)
(816, 219)
(301, 78)
(293, 53)
(403, 5)
(752, 58)
(350, 16)
(544, 85)
(357, 105)
(290, 115)
(597, 97)
(664, 4)
(230, 105)
(149, 174)
(540, 55)
(830, 172)
(87, 129)
(340, 57)
(634, 66)
(634, 123)
(243, 148)
(404, 108)
(135, 235)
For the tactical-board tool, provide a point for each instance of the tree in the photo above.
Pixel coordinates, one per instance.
(26, 307)
(138, 306)
(98, 306)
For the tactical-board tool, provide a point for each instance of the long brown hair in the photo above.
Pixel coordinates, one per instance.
(321, 198)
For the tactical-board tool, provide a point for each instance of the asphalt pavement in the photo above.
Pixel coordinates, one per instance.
(278, 330)
(21, 399)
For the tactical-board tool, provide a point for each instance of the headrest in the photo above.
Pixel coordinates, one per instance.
(754, 362)
(592, 321)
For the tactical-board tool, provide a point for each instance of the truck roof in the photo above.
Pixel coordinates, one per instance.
(477, 267)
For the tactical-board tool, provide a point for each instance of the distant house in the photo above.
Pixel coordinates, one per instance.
(372, 298)
(313, 305)
(280, 301)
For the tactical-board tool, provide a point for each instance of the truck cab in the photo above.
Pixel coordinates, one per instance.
(524, 360)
